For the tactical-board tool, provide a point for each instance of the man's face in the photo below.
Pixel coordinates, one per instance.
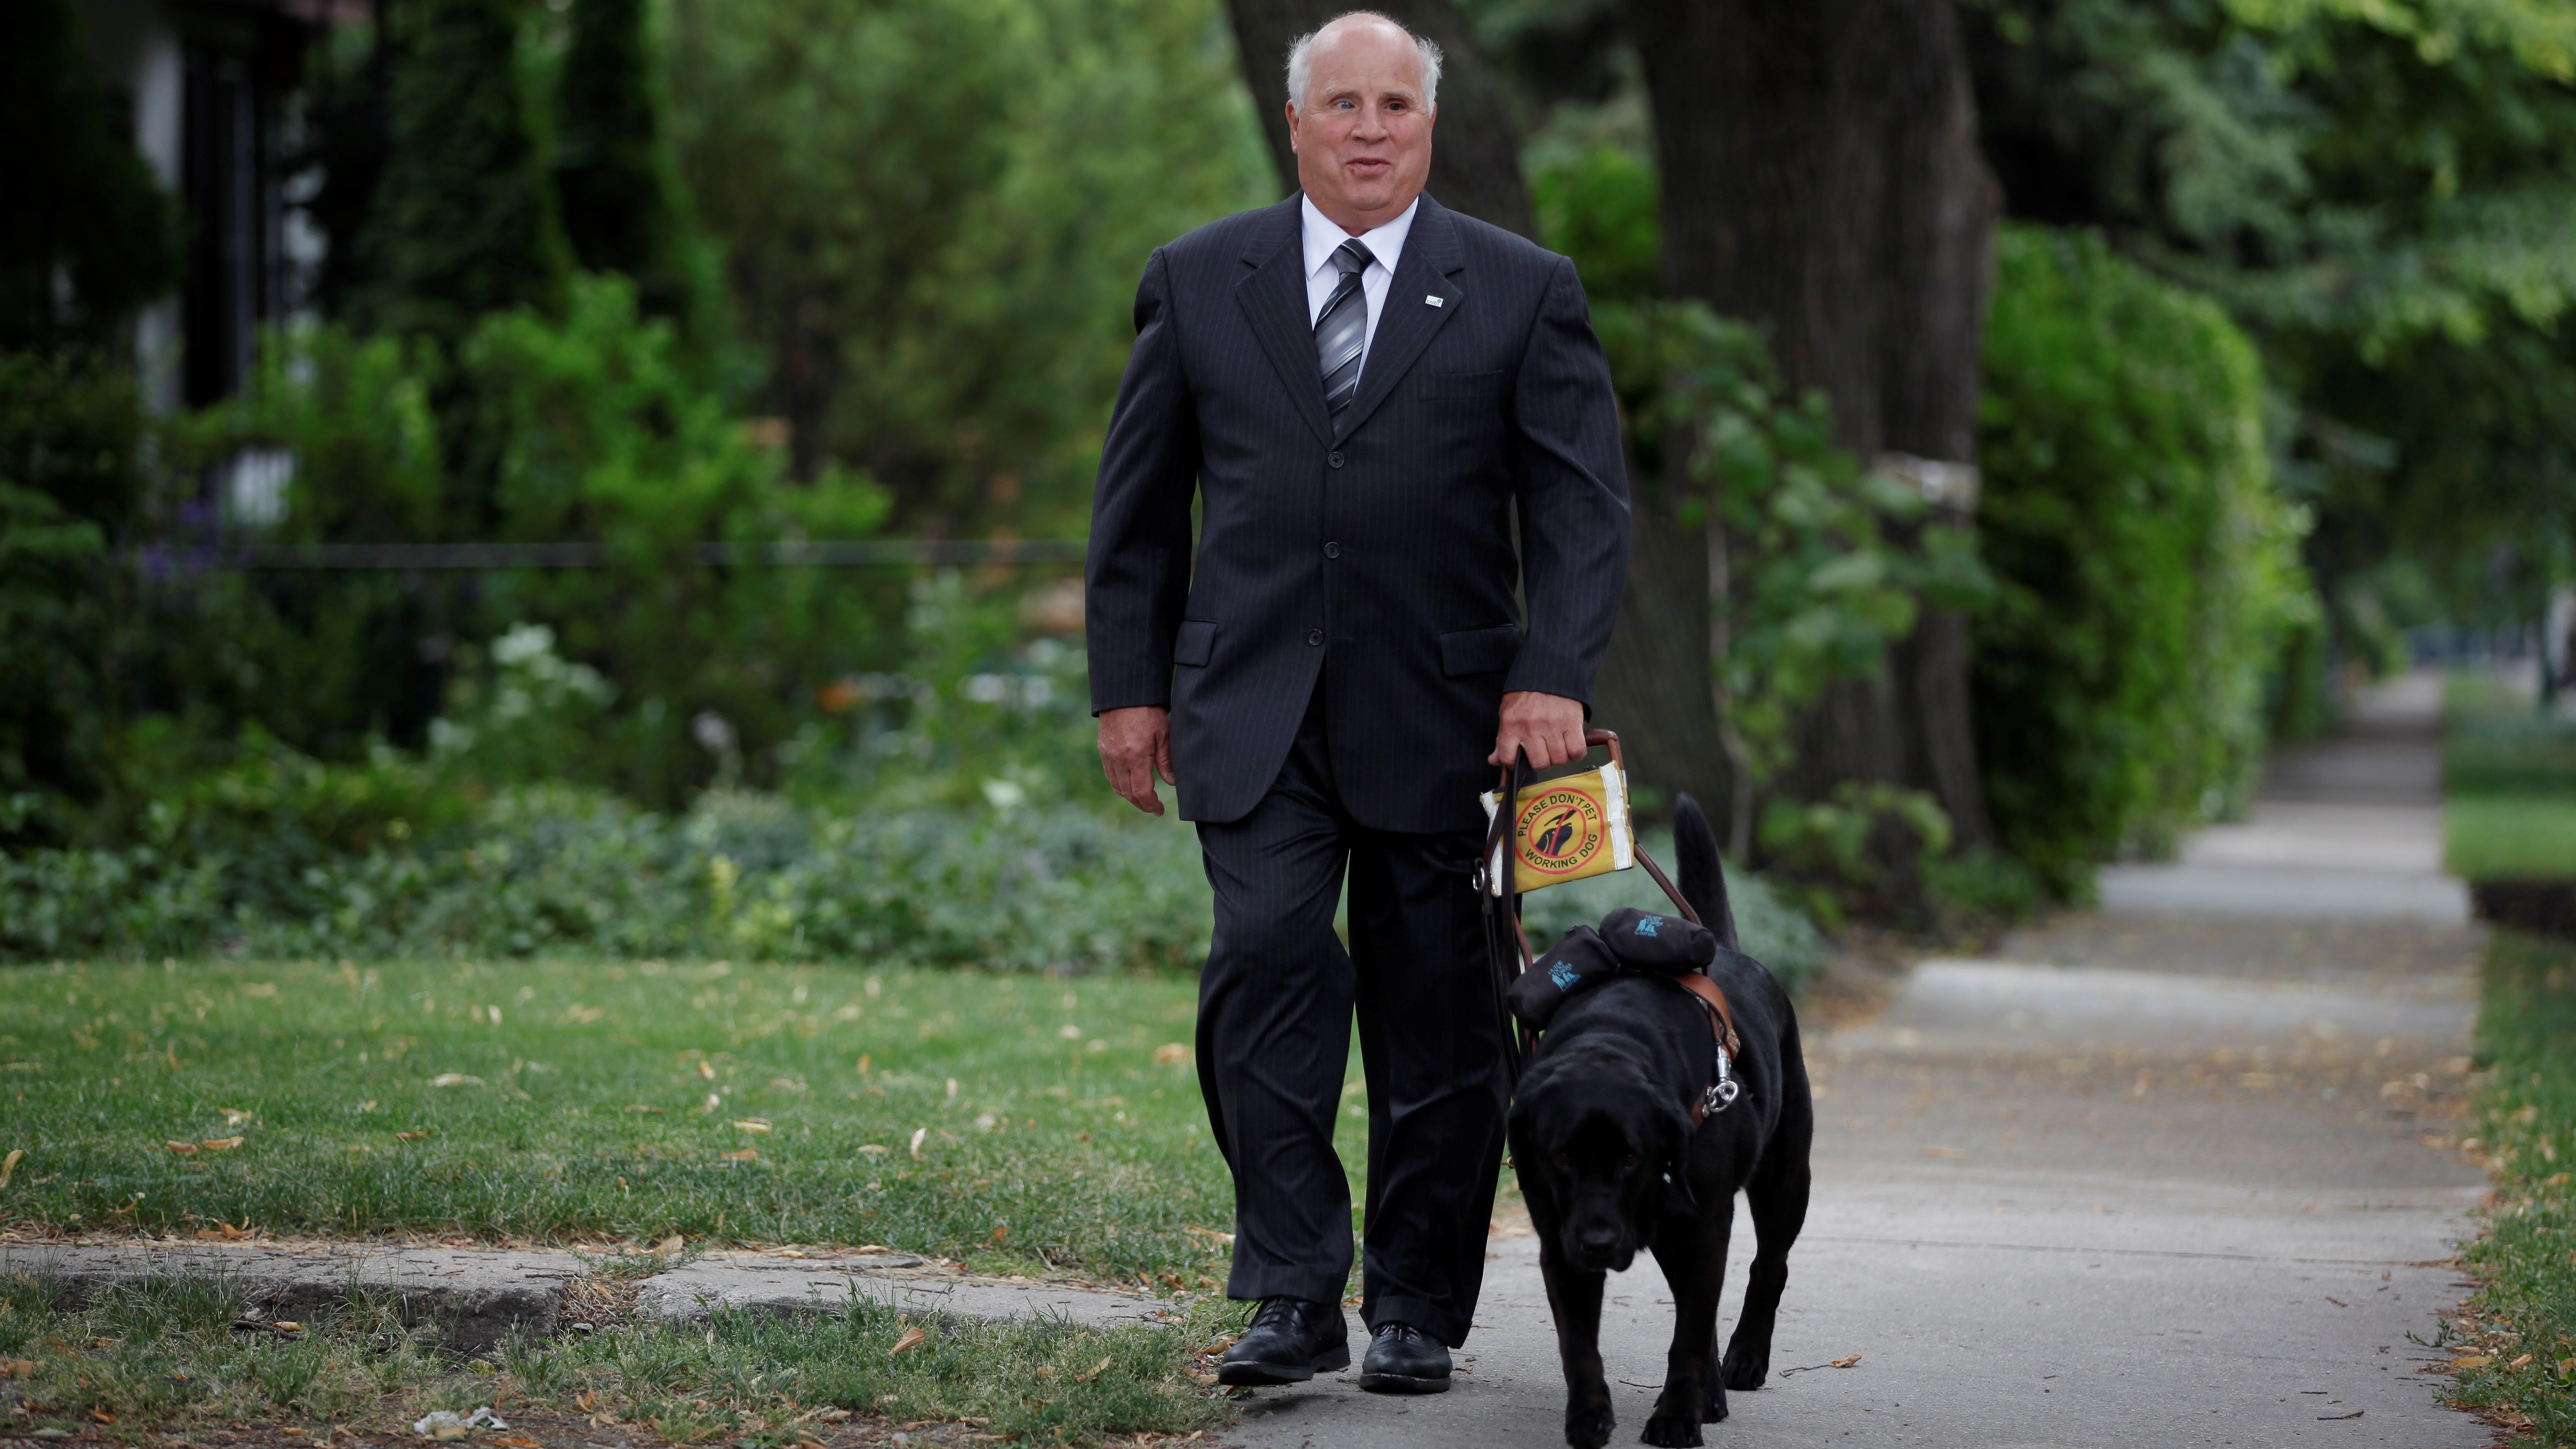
(1361, 132)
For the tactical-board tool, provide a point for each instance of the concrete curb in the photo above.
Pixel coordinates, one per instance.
(478, 1297)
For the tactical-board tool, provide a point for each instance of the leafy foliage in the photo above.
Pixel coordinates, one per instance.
(463, 221)
(622, 206)
(1823, 571)
(70, 483)
(2381, 192)
(935, 214)
(2146, 560)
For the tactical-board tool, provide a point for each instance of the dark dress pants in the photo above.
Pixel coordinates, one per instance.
(1275, 1007)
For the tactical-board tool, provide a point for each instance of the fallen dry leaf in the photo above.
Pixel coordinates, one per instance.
(671, 1244)
(17, 1368)
(220, 1144)
(413, 1135)
(748, 1154)
(2522, 1362)
(103, 1416)
(287, 1326)
(184, 1149)
(234, 1116)
(518, 1441)
(455, 1079)
(1169, 1053)
(1096, 1371)
(919, 1135)
(1847, 1362)
(710, 1104)
(9, 1164)
(1212, 1235)
(2471, 1361)
(872, 1149)
(911, 1339)
(751, 1124)
(834, 1416)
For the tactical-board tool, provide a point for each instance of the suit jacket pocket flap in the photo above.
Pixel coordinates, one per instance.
(1463, 384)
(1480, 651)
(1195, 642)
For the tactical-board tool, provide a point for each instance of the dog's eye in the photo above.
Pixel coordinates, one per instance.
(1564, 1161)
(1631, 1162)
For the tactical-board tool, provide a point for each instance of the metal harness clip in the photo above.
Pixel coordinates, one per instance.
(1723, 1091)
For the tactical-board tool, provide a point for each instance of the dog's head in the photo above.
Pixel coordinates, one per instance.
(1594, 1135)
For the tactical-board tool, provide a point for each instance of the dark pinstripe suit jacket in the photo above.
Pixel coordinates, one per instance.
(1377, 548)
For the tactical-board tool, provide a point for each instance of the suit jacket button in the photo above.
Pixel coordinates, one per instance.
(1334, 457)
(1314, 636)
(1332, 550)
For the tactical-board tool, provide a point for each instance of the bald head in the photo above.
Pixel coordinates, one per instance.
(1360, 111)
(1301, 71)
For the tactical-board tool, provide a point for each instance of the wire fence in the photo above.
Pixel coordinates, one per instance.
(397, 557)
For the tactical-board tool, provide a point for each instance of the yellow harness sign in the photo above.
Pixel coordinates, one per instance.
(1567, 829)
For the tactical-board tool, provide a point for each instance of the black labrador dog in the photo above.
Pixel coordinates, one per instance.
(1602, 1136)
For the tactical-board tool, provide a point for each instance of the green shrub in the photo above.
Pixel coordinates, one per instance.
(2146, 562)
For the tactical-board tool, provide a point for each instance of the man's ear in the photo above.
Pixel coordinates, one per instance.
(1678, 1199)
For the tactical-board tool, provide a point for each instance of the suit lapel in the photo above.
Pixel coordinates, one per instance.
(1273, 296)
(1408, 321)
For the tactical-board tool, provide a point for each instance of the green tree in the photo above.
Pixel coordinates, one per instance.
(622, 207)
(2381, 193)
(934, 213)
(463, 222)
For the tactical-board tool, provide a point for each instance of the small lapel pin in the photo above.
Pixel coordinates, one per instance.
(1433, 301)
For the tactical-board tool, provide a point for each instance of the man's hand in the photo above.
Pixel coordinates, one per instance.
(1135, 746)
(1549, 726)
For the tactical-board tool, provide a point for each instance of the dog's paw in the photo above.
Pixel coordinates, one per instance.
(1712, 1409)
(1588, 1426)
(1744, 1369)
(1672, 1431)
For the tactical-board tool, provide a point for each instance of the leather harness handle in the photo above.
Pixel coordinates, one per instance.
(1721, 1016)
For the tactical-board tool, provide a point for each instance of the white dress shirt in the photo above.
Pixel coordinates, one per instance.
(1323, 238)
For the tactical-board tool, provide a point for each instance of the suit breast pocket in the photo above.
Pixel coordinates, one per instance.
(1463, 386)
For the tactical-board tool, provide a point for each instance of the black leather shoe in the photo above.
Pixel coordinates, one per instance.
(1289, 1342)
(1402, 1359)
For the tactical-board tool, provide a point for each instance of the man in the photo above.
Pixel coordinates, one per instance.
(1367, 393)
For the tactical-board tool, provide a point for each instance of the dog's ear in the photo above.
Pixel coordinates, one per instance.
(1703, 876)
(1678, 1199)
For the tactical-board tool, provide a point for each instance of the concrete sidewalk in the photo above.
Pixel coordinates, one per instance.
(2178, 1173)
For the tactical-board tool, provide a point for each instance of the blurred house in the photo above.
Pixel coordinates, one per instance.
(209, 87)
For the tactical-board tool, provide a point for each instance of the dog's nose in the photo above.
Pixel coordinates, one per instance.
(1598, 1238)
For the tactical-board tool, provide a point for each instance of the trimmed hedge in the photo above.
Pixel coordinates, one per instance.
(2146, 560)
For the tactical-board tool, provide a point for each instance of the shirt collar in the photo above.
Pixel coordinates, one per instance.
(1323, 238)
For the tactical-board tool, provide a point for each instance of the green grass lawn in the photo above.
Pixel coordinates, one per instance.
(162, 1356)
(2510, 775)
(1017, 1123)
(2495, 837)
(2518, 1334)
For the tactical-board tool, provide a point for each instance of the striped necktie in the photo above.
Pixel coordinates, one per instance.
(1341, 329)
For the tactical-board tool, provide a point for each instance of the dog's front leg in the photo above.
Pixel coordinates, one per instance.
(1692, 1253)
(1574, 1299)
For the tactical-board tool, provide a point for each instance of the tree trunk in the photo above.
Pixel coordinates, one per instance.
(1476, 147)
(1821, 178)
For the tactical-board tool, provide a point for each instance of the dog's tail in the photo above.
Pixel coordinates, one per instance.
(1703, 878)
